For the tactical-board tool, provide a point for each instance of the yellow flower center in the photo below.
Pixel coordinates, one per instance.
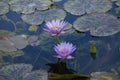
(65, 51)
(55, 28)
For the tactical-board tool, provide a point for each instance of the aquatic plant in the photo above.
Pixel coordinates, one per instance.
(22, 72)
(13, 43)
(104, 76)
(64, 50)
(29, 6)
(98, 24)
(4, 8)
(33, 40)
(55, 27)
(38, 17)
(80, 7)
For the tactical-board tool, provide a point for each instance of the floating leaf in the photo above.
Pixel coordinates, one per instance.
(4, 8)
(80, 7)
(34, 40)
(16, 71)
(5, 33)
(36, 75)
(29, 6)
(104, 76)
(98, 24)
(13, 43)
(22, 72)
(38, 17)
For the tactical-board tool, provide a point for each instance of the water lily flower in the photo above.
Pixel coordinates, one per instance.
(55, 27)
(64, 50)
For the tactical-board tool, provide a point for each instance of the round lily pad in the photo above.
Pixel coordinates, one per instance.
(36, 75)
(29, 6)
(39, 16)
(98, 24)
(6, 33)
(13, 44)
(80, 7)
(16, 71)
(4, 8)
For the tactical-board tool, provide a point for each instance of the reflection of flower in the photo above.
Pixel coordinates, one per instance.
(55, 26)
(64, 50)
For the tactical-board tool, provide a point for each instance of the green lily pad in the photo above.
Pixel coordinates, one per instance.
(13, 44)
(4, 8)
(98, 24)
(29, 6)
(36, 75)
(6, 33)
(80, 7)
(16, 71)
(39, 16)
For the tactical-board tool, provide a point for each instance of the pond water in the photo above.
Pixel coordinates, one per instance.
(23, 40)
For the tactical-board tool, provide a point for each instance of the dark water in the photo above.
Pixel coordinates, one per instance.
(108, 48)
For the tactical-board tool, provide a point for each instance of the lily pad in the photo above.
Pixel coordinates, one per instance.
(33, 40)
(22, 72)
(4, 8)
(39, 16)
(36, 75)
(5, 33)
(80, 7)
(104, 76)
(98, 24)
(16, 71)
(13, 44)
(29, 6)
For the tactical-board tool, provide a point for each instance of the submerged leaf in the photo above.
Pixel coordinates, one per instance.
(93, 50)
(80, 7)
(98, 24)
(33, 28)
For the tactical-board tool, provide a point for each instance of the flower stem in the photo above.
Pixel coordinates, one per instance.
(57, 39)
(64, 61)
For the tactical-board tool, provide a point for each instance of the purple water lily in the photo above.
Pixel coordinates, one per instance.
(55, 26)
(64, 50)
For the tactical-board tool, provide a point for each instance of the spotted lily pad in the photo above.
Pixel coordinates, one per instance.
(80, 7)
(4, 8)
(5, 33)
(38, 17)
(13, 44)
(36, 75)
(15, 71)
(29, 6)
(98, 24)
(22, 72)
